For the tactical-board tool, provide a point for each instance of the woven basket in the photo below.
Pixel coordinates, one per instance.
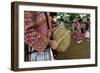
(63, 38)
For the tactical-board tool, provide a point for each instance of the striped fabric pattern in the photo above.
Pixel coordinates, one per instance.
(42, 56)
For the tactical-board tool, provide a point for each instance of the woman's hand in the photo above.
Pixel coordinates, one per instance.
(53, 44)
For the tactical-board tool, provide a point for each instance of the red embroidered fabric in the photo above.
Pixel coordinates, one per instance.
(37, 40)
(36, 37)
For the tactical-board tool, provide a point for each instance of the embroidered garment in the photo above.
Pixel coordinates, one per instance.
(36, 33)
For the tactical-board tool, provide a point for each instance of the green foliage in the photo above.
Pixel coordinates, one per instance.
(69, 18)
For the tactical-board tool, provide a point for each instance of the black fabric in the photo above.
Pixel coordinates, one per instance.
(47, 20)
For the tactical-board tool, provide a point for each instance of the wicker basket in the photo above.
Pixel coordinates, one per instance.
(63, 38)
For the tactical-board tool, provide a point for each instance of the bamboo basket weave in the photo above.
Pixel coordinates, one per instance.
(63, 38)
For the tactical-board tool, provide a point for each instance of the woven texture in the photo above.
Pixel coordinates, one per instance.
(63, 38)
